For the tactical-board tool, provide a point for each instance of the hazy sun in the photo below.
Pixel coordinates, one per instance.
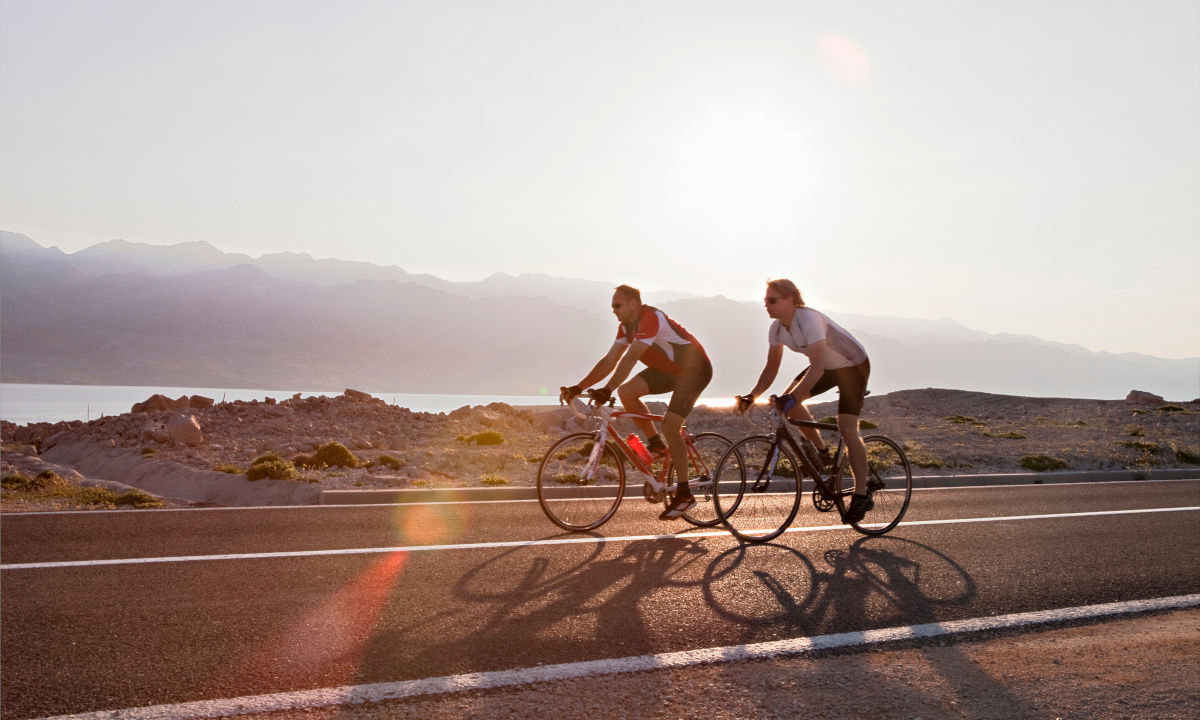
(745, 169)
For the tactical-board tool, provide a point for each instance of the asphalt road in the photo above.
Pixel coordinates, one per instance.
(479, 589)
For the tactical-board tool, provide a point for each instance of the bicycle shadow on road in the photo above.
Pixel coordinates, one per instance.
(875, 583)
(526, 607)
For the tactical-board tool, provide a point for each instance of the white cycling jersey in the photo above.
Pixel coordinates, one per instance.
(810, 326)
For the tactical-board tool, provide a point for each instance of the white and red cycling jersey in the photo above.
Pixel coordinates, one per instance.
(664, 336)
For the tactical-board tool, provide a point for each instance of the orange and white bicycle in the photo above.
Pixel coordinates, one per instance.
(581, 481)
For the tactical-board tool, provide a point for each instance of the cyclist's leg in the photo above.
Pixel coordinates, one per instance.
(852, 389)
(688, 385)
(631, 392)
(800, 412)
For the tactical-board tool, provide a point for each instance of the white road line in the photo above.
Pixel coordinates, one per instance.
(557, 541)
(1049, 483)
(378, 692)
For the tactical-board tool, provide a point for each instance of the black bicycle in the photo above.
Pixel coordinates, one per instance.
(760, 481)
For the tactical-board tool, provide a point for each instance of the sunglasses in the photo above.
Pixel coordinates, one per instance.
(771, 300)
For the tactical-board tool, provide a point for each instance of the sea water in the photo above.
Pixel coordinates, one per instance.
(26, 403)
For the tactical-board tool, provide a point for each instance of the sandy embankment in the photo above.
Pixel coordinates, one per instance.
(946, 432)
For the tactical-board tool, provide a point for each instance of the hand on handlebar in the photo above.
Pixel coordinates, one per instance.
(742, 404)
(600, 396)
(567, 394)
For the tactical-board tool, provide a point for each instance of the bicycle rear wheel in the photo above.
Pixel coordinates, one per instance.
(758, 488)
(889, 485)
(710, 447)
(575, 493)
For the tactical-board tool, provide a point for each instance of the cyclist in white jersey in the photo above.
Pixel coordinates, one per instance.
(835, 358)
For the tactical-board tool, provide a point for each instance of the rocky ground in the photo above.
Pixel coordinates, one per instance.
(946, 432)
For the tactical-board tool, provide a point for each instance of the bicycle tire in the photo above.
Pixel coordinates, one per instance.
(571, 501)
(711, 446)
(889, 485)
(756, 499)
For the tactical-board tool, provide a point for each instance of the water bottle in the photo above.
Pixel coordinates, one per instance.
(635, 443)
(814, 457)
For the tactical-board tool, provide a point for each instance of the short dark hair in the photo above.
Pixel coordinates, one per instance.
(630, 292)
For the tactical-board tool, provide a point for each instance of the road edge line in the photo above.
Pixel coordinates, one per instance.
(398, 690)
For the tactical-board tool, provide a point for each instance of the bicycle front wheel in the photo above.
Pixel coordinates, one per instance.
(757, 489)
(889, 485)
(702, 466)
(577, 491)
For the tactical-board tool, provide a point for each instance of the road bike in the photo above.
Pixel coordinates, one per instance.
(581, 481)
(761, 478)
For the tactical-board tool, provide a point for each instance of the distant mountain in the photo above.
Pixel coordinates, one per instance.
(191, 315)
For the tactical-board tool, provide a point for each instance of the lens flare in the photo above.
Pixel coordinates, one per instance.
(429, 524)
(844, 56)
(327, 641)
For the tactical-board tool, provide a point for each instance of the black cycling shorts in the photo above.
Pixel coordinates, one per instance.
(685, 388)
(851, 383)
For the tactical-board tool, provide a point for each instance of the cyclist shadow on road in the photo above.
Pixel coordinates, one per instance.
(875, 583)
(527, 607)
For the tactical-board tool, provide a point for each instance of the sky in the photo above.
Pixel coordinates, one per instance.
(1022, 167)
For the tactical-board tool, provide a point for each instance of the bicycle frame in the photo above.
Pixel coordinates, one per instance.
(606, 432)
(784, 436)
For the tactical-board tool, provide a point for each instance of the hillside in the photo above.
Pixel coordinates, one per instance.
(945, 432)
(189, 315)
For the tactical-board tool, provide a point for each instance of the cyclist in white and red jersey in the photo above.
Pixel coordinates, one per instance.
(675, 363)
(835, 358)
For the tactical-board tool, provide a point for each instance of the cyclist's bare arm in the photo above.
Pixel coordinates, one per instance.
(770, 370)
(625, 366)
(604, 366)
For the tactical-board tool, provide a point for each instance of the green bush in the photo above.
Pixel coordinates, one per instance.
(279, 469)
(389, 462)
(1186, 456)
(1171, 408)
(332, 454)
(487, 437)
(230, 468)
(865, 424)
(49, 484)
(1151, 447)
(493, 479)
(268, 457)
(1007, 436)
(1135, 431)
(138, 499)
(148, 451)
(1042, 463)
(963, 420)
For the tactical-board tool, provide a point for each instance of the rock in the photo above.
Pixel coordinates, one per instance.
(152, 403)
(357, 396)
(181, 403)
(1142, 397)
(199, 401)
(184, 430)
(55, 439)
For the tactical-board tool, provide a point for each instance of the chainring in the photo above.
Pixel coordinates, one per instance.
(821, 500)
(652, 495)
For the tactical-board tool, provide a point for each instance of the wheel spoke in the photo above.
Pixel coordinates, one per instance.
(758, 489)
(579, 489)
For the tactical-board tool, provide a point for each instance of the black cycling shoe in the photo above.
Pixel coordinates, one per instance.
(680, 504)
(826, 458)
(859, 506)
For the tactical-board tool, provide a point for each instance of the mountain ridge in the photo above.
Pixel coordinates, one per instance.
(128, 313)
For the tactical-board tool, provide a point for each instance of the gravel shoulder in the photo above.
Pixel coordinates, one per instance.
(945, 432)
